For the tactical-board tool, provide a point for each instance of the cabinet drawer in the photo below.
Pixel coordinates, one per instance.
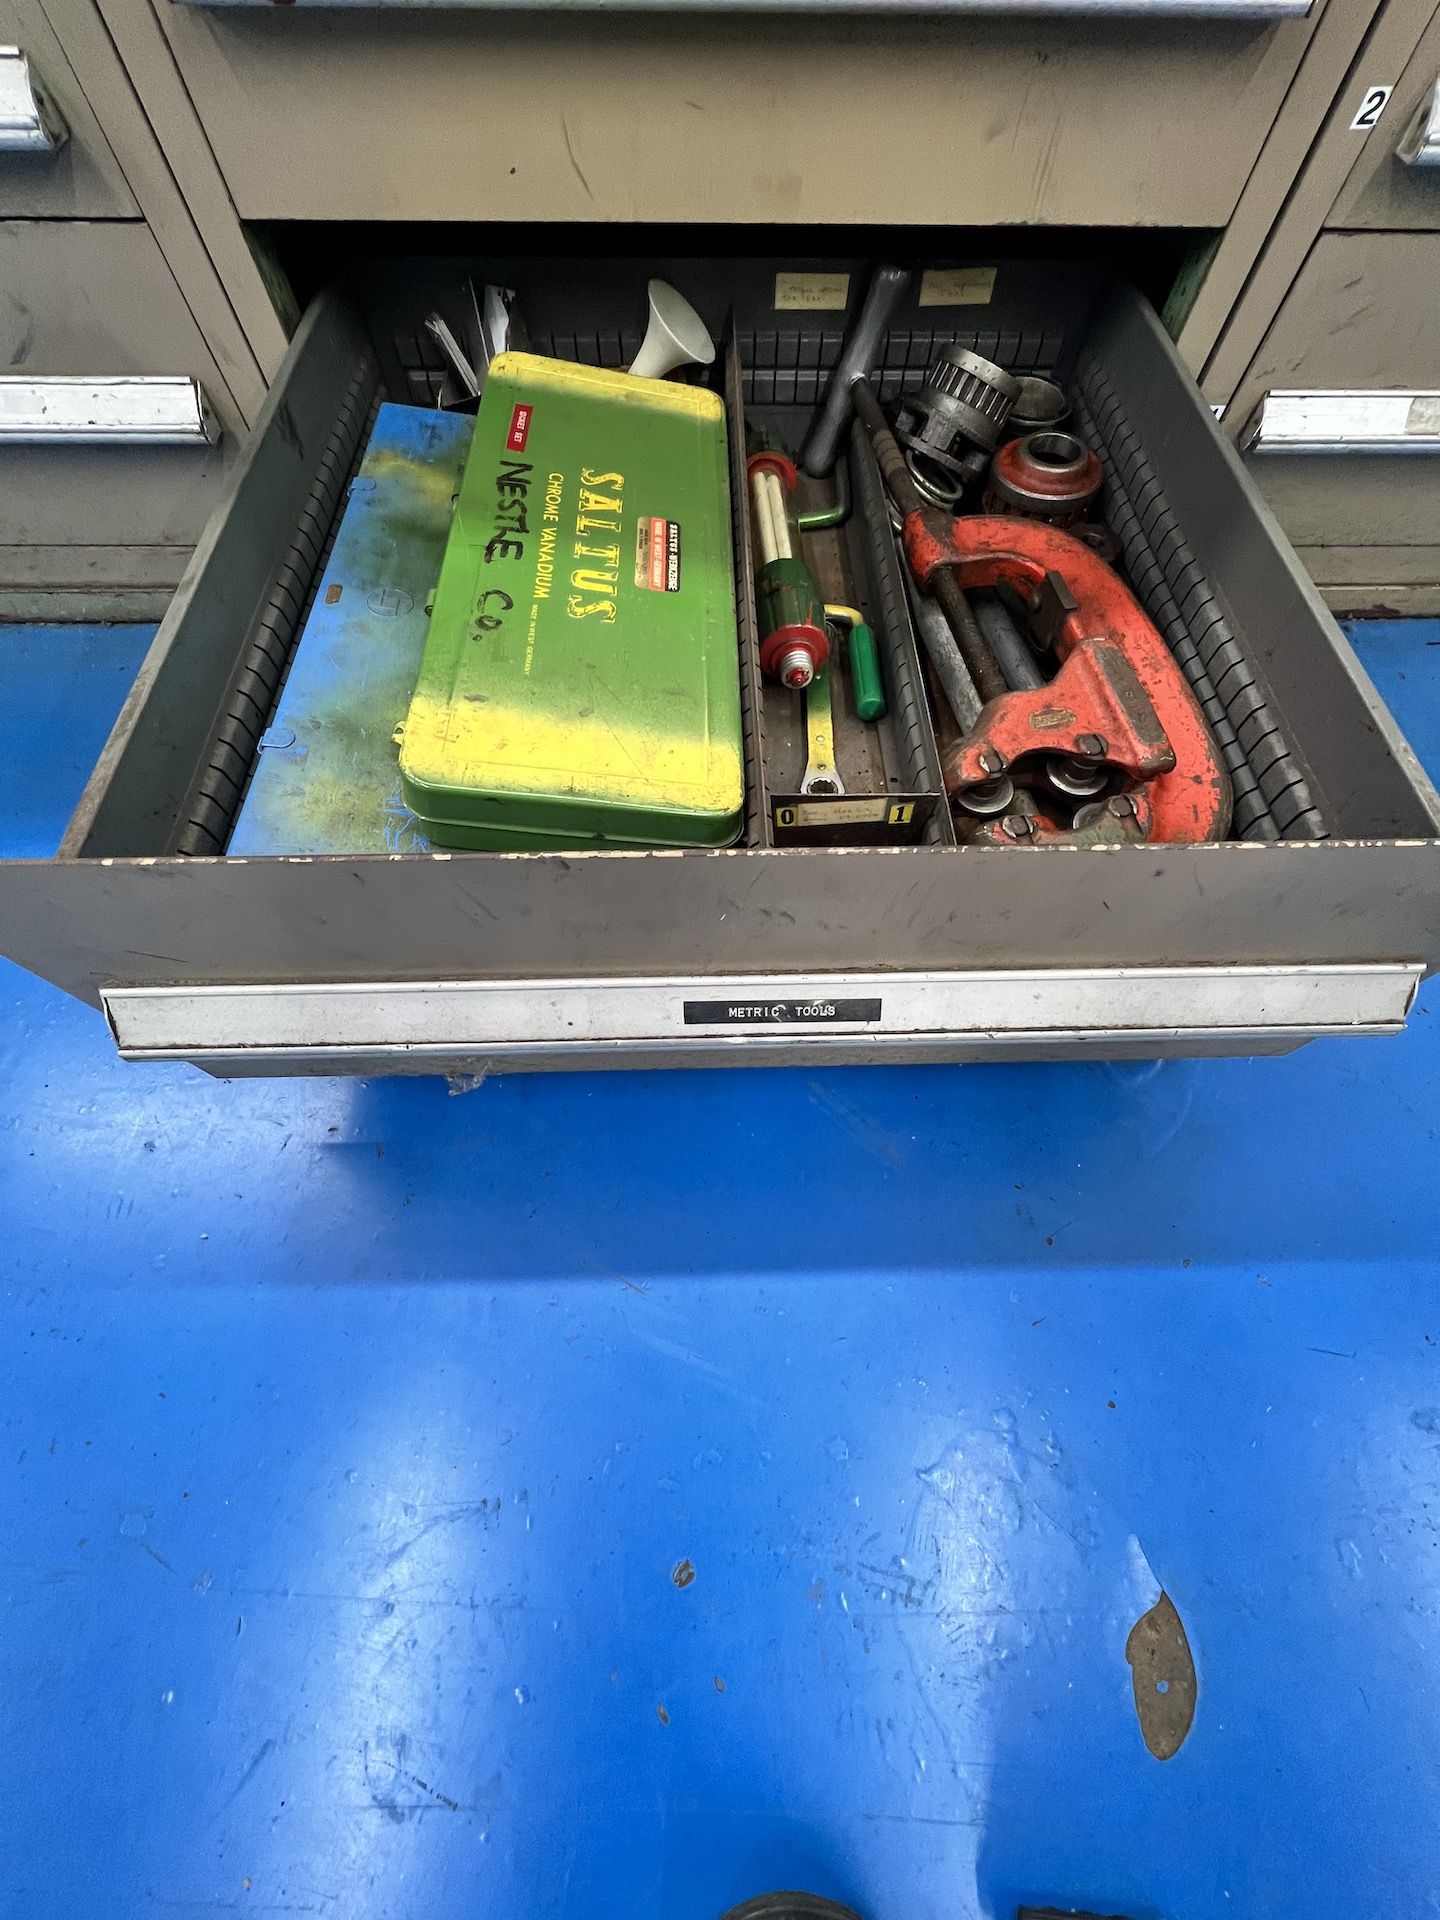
(420, 961)
(1358, 325)
(557, 115)
(97, 299)
(80, 176)
(1382, 191)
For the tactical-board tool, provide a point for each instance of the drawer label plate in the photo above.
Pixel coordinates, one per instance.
(957, 286)
(779, 1013)
(812, 292)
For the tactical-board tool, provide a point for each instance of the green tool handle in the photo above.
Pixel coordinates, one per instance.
(865, 681)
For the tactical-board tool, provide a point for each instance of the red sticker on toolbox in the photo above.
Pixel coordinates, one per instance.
(657, 555)
(519, 428)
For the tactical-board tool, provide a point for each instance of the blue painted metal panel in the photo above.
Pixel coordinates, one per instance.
(327, 778)
(354, 1434)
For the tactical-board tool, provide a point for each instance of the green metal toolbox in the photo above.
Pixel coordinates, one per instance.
(581, 681)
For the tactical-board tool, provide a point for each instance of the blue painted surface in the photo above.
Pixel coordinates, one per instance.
(60, 690)
(353, 1433)
(327, 779)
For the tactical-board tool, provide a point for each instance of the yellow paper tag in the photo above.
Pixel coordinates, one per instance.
(812, 292)
(957, 286)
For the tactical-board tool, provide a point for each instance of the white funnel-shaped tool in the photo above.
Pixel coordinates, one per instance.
(675, 337)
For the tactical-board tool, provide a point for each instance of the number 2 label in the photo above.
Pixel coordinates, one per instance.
(1370, 109)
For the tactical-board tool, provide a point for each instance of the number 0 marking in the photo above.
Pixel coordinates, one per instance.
(1371, 108)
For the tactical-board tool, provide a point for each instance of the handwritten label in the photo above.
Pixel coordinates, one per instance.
(845, 813)
(812, 292)
(957, 286)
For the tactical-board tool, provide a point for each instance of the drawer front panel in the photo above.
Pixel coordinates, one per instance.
(98, 299)
(1382, 192)
(381, 115)
(1360, 318)
(81, 178)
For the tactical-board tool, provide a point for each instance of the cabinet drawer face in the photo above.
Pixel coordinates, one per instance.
(1359, 321)
(1353, 500)
(79, 177)
(931, 951)
(557, 116)
(95, 297)
(1382, 192)
(99, 300)
(1360, 315)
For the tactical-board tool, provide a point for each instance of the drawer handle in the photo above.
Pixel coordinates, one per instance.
(30, 122)
(391, 1021)
(924, 9)
(127, 410)
(1344, 421)
(1420, 143)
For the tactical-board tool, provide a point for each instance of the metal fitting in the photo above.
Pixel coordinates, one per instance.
(1076, 776)
(1039, 404)
(1019, 826)
(992, 760)
(956, 418)
(795, 668)
(988, 798)
(1046, 476)
(1091, 746)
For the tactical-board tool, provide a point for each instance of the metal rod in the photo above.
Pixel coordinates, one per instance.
(836, 516)
(888, 286)
(939, 644)
(980, 662)
(1007, 643)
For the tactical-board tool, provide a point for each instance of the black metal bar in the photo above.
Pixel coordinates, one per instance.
(980, 662)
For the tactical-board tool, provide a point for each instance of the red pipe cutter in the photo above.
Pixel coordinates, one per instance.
(1118, 716)
(1119, 701)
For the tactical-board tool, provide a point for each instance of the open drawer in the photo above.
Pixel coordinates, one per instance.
(423, 961)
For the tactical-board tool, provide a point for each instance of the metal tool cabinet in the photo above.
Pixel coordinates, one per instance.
(107, 278)
(1330, 364)
(422, 962)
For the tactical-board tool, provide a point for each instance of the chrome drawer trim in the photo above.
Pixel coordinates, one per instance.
(30, 122)
(1420, 143)
(722, 1013)
(127, 409)
(1345, 420)
(925, 9)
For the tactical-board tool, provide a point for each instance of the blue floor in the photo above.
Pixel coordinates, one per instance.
(360, 1441)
